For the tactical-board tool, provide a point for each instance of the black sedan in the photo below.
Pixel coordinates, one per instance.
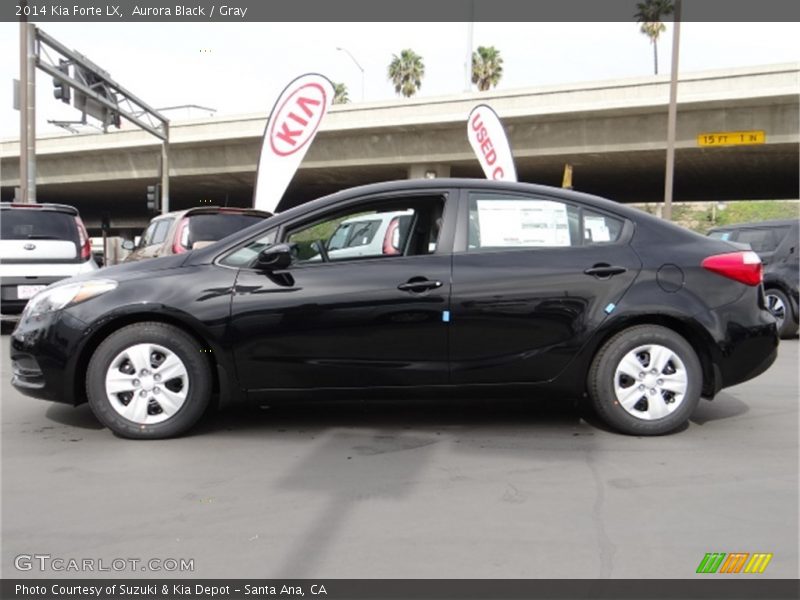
(480, 287)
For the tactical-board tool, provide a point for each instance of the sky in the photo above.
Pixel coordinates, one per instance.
(240, 68)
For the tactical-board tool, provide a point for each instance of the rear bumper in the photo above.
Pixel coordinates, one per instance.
(746, 339)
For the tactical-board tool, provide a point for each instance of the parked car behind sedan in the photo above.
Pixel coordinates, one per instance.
(39, 245)
(778, 245)
(496, 287)
(180, 231)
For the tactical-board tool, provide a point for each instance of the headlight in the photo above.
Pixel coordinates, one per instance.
(56, 297)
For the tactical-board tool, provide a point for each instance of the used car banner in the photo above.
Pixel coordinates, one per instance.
(292, 126)
(488, 140)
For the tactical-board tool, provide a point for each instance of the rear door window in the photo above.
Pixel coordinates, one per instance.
(497, 221)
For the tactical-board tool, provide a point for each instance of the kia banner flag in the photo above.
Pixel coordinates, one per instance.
(488, 140)
(292, 126)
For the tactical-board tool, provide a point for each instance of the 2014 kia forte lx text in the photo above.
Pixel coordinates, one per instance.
(480, 287)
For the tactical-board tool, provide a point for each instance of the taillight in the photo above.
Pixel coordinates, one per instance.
(181, 240)
(739, 266)
(83, 240)
(391, 240)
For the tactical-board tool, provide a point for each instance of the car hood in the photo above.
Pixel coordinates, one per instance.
(125, 270)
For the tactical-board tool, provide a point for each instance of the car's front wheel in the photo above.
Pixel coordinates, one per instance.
(646, 380)
(148, 381)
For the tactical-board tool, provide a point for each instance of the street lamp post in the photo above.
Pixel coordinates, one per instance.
(360, 68)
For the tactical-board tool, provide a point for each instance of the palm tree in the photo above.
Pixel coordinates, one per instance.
(406, 72)
(340, 94)
(487, 67)
(650, 13)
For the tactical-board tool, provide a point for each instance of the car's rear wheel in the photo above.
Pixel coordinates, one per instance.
(778, 305)
(646, 380)
(148, 381)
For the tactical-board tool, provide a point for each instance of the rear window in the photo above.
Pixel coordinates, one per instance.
(214, 227)
(33, 224)
(761, 240)
(720, 235)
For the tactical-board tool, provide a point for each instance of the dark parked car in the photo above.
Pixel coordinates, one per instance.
(180, 231)
(494, 287)
(776, 242)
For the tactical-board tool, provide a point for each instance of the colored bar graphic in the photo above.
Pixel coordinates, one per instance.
(758, 563)
(722, 563)
(711, 562)
(734, 562)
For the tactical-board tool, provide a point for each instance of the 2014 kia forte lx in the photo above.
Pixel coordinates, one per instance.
(481, 286)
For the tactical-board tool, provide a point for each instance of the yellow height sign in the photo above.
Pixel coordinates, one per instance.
(731, 138)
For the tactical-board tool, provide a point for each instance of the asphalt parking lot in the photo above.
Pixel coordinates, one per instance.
(483, 490)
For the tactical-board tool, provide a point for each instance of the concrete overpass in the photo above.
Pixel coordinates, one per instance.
(613, 132)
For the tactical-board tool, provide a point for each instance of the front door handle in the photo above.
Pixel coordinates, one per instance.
(419, 285)
(604, 271)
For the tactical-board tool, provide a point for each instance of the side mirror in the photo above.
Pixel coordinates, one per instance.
(275, 258)
(128, 245)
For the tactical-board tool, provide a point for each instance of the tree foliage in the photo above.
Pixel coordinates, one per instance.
(649, 15)
(406, 72)
(487, 67)
(340, 93)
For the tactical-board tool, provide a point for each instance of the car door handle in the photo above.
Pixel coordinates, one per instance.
(603, 271)
(419, 285)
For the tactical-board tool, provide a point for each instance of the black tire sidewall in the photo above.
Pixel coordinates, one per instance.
(172, 338)
(601, 380)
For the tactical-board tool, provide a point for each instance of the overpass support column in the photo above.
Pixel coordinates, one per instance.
(423, 171)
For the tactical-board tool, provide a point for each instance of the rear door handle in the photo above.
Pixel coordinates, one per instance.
(603, 271)
(419, 285)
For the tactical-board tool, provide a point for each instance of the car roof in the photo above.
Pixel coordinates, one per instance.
(445, 183)
(213, 210)
(657, 227)
(64, 208)
(772, 223)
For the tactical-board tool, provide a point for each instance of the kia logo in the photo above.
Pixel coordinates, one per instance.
(30, 246)
(297, 119)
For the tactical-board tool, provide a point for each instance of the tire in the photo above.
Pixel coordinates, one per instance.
(658, 403)
(148, 381)
(779, 305)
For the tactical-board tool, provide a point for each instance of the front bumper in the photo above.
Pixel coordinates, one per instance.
(44, 355)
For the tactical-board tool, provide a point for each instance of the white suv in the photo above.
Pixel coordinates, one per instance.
(39, 244)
